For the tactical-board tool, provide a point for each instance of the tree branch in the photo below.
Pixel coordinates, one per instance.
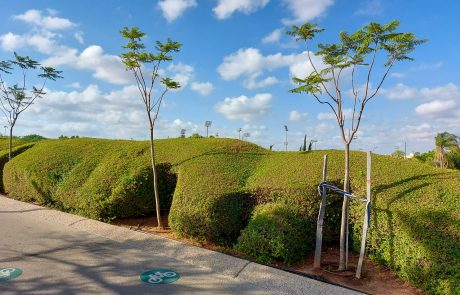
(316, 71)
(369, 72)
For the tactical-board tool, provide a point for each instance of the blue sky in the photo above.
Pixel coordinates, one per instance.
(235, 66)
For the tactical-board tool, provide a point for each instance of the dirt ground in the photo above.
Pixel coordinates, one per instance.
(376, 279)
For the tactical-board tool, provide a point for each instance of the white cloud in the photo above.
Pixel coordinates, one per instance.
(48, 22)
(42, 41)
(11, 42)
(91, 112)
(181, 73)
(397, 75)
(326, 116)
(252, 83)
(79, 37)
(448, 91)
(273, 37)
(225, 8)
(348, 113)
(105, 67)
(297, 116)
(306, 10)
(401, 91)
(203, 88)
(172, 9)
(370, 8)
(75, 85)
(435, 107)
(245, 108)
(249, 62)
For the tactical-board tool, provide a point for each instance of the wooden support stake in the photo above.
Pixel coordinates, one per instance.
(319, 224)
(366, 217)
(347, 234)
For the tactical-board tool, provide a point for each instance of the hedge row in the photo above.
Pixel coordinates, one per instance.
(415, 225)
(236, 193)
(4, 157)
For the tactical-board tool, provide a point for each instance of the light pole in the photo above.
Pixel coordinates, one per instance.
(286, 142)
(314, 142)
(405, 150)
(182, 133)
(239, 134)
(207, 124)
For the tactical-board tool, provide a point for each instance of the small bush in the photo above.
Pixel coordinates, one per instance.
(277, 231)
(210, 202)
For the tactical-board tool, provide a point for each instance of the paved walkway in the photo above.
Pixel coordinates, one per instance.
(61, 253)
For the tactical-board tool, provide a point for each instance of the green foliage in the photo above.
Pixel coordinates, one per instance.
(353, 50)
(454, 159)
(196, 135)
(414, 216)
(32, 138)
(277, 231)
(19, 97)
(415, 224)
(4, 158)
(446, 143)
(398, 154)
(427, 157)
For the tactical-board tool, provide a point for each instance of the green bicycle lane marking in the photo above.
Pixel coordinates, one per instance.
(9, 273)
(159, 276)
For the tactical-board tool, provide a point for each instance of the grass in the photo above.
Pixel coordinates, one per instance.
(219, 188)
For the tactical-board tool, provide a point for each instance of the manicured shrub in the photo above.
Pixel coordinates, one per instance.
(277, 231)
(4, 158)
(217, 182)
(210, 202)
(415, 223)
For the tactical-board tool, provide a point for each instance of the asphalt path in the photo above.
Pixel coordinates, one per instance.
(60, 253)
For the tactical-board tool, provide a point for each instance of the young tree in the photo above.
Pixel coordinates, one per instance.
(354, 52)
(445, 142)
(137, 60)
(20, 96)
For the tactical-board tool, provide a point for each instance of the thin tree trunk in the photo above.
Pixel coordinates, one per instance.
(344, 221)
(10, 142)
(155, 181)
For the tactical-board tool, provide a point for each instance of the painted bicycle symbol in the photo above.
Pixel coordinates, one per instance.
(158, 276)
(9, 273)
(6, 272)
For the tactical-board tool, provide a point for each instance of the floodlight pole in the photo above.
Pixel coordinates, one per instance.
(207, 124)
(239, 134)
(405, 150)
(286, 142)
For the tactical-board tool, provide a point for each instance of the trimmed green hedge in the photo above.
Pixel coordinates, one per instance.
(4, 155)
(218, 182)
(101, 179)
(277, 231)
(415, 223)
(210, 202)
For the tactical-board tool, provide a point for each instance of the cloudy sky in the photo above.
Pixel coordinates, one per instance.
(235, 67)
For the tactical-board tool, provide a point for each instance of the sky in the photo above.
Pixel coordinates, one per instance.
(235, 67)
